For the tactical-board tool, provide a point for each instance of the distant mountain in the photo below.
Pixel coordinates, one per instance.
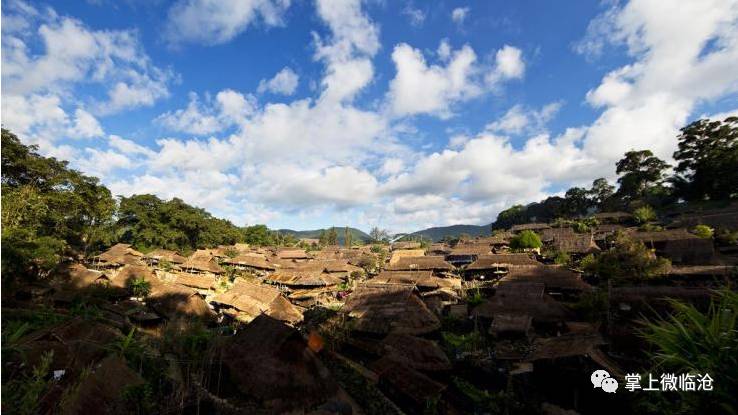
(437, 233)
(356, 234)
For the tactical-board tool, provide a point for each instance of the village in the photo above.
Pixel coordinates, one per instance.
(472, 325)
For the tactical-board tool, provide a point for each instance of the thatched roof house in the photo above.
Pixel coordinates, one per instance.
(119, 255)
(535, 227)
(421, 263)
(515, 324)
(271, 362)
(548, 235)
(301, 278)
(196, 281)
(555, 278)
(165, 255)
(496, 261)
(405, 245)
(415, 352)
(128, 273)
(575, 244)
(520, 289)
(564, 346)
(249, 260)
(544, 309)
(292, 253)
(612, 217)
(246, 300)
(407, 383)
(79, 277)
(678, 245)
(176, 301)
(421, 279)
(202, 263)
(383, 308)
(401, 253)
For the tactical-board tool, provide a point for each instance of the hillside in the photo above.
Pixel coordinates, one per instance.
(440, 232)
(356, 234)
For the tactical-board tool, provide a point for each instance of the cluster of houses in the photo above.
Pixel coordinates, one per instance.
(396, 302)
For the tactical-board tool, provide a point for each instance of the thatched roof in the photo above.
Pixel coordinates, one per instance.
(564, 346)
(166, 255)
(197, 281)
(510, 323)
(494, 261)
(271, 362)
(250, 300)
(174, 301)
(548, 235)
(407, 381)
(470, 249)
(719, 219)
(420, 263)
(201, 263)
(401, 253)
(612, 216)
(125, 275)
(79, 277)
(312, 278)
(554, 277)
(575, 244)
(500, 238)
(416, 352)
(389, 309)
(544, 309)
(604, 230)
(529, 227)
(662, 236)
(250, 260)
(520, 289)
(439, 248)
(657, 293)
(423, 279)
(120, 254)
(405, 245)
(678, 245)
(703, 270)
(292, 253)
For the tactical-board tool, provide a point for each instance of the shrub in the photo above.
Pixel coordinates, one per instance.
(644, 214)
(561, 258)
(627, 259)
(703, 231)
(139, 287)
(526, 240)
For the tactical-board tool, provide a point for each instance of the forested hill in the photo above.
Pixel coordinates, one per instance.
(357, 235)
(440, 232)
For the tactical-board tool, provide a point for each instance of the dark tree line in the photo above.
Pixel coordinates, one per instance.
(706, 170)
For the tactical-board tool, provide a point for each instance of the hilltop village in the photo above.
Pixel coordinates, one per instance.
(513, 322)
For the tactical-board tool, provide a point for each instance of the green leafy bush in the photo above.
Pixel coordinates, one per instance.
(627, 259)
(644, 214)
(526, 240)
(703, 231)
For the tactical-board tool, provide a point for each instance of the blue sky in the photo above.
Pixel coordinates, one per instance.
(402, 114)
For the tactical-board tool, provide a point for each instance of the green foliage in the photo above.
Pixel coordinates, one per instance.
(727, 238)
(707, 160)
(650, 227)
(139, 287)
(511, 216)
(475, 299)
(561, 258)
(26, 392)
(48, 209)
(258, 235)
(640, 172)
(692, 341)
(703, 231)
(593, 306)
(457, 343)
(145, 221)
(627, 259)
(328, 237)
(526, 240)
(483, 400)
(644, 214)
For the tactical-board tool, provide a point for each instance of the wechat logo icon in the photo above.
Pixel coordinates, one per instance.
(601, 379)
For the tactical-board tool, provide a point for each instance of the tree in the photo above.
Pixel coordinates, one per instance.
(693, 341)
(707, 159)
(347, 237)
(601, 192)
(511, 216)
(644, 214)
(639, 171)
(378, 235)
(258, 235)
(526, 240)
(328, 237)
(626, 259)
(703, 231)
(577, 201)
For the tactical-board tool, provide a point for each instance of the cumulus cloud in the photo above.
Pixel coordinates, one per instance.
(459, 14)
(212, 22)
(45, 56)
(518, 119)
(415, 16)
(422, 88)
(228, 108)
(284, 82)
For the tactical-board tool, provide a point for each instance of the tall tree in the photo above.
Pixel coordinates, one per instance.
(378, 235)
(601, 192)
(577, 201)
(347, 237)
(707, 160)
(640, 172)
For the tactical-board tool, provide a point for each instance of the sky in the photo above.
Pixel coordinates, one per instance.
(399, 114)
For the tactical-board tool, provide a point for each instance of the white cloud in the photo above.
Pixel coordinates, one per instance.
(284, 82)
(415, 16)
(518, 119)
(212, 22)
(228, 109)
(459, 14)
(128, 147)
(420, 88)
